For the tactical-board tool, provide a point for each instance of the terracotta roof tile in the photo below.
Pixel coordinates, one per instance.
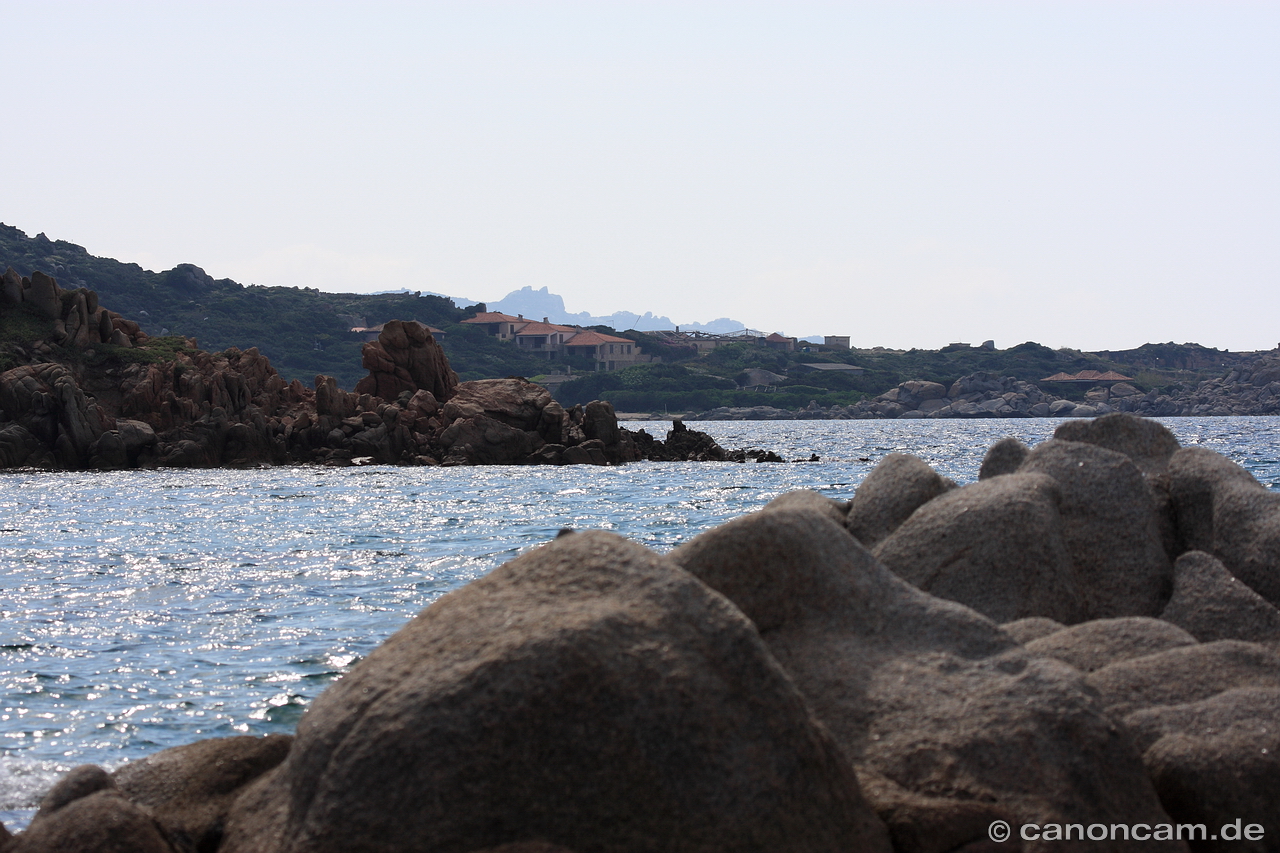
(494, 317)
(542, 329)
(1088, 376)
(590, 339)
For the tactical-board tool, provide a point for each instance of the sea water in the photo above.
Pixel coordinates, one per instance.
(146, 609)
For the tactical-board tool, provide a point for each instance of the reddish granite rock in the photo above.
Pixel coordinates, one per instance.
(406, 357)
(515, 402)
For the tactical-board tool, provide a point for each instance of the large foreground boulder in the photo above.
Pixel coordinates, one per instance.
(898, 486)
(1072, 535)
(950, 724)
(1216, 761)
(996, 546)
(1222, 510)
(1109, 526)
(589, 694)
(1148, 443)
(1212, 604)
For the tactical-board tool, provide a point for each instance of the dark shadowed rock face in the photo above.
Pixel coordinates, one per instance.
(695, 446)
(898, 486)
(482, 440)
(1222, 510)
(1217, 779)
(588, 694)
(1216, 760)
(85, 813)
(937, 707)
(1211, 604)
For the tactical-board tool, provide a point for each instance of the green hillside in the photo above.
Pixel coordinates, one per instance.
(302, 331)
(305, 332)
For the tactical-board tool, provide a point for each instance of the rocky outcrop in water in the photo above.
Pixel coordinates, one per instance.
(776, 684)
(79, 403)
(403, 359)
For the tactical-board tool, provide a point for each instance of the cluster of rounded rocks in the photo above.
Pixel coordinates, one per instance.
(978, 395)
(1084, 638)
(1250, 389)
(66, 410)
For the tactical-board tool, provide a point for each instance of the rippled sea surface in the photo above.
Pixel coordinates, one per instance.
(142, 610)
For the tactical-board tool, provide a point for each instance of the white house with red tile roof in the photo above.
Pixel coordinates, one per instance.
(543, 338)
(498, 325)
(554, 341)
(612, 353)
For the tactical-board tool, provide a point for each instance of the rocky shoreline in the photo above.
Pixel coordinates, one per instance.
(1086, 637)
(1252, 389)
(82, 400)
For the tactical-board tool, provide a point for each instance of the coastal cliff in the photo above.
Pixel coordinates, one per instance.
(88, 389)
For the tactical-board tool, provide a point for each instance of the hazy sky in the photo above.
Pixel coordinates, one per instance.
(1087, 174)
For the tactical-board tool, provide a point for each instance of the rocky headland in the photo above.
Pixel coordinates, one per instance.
(1083, 645)
(93, 391)
(1249, 389)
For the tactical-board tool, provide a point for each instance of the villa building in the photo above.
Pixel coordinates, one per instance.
(500, 326)
(609, 352)
(555, 342)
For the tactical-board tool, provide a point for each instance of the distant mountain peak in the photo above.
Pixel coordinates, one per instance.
(542, 302)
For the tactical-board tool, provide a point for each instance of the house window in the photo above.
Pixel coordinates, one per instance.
(611, 353)
(628, 349)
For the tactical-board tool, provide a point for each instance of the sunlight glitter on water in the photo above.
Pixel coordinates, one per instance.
(147, 609)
